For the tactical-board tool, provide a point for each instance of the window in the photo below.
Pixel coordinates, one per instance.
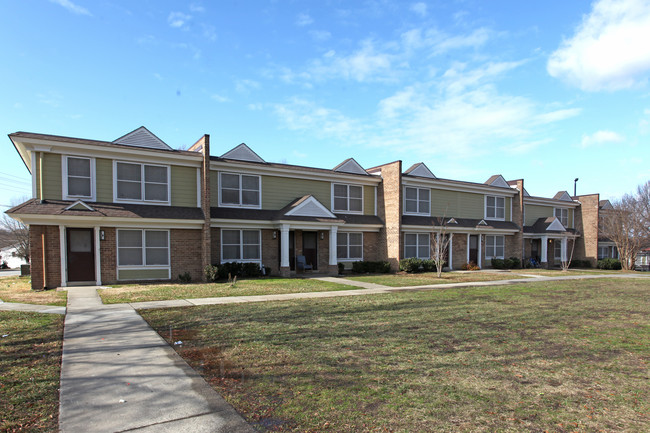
(78, 182)
(494, 247)
(416, 200)
(557, 250)
(495, 208)
(142, 182)
(563, 215)
(349, 246)
(603, 252)
(240, 246)
(239, 190)
(417, 245)
(348, 198)
(143, 248)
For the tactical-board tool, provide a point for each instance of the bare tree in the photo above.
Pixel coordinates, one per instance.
(440, 245)
(17, 234)
(566, 264)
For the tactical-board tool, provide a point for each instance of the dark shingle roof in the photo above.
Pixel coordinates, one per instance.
(416, 220)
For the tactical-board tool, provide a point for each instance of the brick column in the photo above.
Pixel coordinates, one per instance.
(389, 209)
(586, 218)
(203, 146)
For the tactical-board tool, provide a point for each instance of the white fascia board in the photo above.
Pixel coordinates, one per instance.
(98, 151)
(359, 227)
(293, 172)
(551, 235)
(86, 221)
(309, 225)
(448, 229)
(237, 223)
(452, 186)
(550, 202)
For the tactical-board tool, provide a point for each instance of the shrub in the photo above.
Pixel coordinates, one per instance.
(185, 278)
(609, 264)
(341, 268)
(471, 266)
(498, 264)
(414, 265)
(362, 267)
(211, 273)
(577, 263)
(513, 263)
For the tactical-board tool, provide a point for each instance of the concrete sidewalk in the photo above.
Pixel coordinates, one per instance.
(32, 308)
(117, 375)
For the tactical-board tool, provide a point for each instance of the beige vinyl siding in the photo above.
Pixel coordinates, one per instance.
(104, 179)
(535, 212)
(183, 186)
(214, 188)
(571, 222)
(457, 204)
(277, 192)
(142, 274)
(368, 200)
(508, 208)
(51, 176)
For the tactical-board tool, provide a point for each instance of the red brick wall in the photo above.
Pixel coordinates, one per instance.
(371, 250)
(459, 250)
(52, 256)
(184, 246)
(586, 222)
(270, 250)
(389, 209)
(108, 255)
(215, 242)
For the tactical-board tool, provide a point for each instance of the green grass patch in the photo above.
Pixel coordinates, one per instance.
(262, 286)
(30, 362)
(403, 279)
(555, 356)
(19, 289)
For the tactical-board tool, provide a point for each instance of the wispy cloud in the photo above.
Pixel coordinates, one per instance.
(245, 86)
(209, 32)
(178, 20)
(303, 20)
(609, 50)
(419, 8)
(601, 137)
(320, 35)
(72, 7)
(219, 98)
(196, 8)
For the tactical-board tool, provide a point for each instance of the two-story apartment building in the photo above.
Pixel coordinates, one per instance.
(135, 209)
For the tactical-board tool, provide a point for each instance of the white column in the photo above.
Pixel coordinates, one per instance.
(544, 249)
(437, 252)
(467, 248)
(451, 251)
(564, 249)
(333, 245)
(480, 247)
(284, 246)
(64, 256)
(98, 266)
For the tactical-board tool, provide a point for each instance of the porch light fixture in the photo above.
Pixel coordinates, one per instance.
(275, 234)
(322, 236)
(101, 235)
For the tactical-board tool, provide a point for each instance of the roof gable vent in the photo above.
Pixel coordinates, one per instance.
(350, 166)
(309, 206)
(421, 170)
(242, 153)
(142, 137)
(563, 195)
(497, 180)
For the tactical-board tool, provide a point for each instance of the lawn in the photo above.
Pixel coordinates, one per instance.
(262, 286)
(555, 356)
(19, 289)
(30, 362)
(426, 278)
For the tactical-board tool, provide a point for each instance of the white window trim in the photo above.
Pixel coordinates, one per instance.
(428, 212)
(348, 185)
(417, 245)
(485, 208)
(241, 246)
(64, 180)
(144, 251)
(244, 206)
(350, 259)
(490, 256)
(555, 209)
(142, 184)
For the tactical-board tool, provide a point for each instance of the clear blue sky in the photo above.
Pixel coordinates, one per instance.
(548, 91)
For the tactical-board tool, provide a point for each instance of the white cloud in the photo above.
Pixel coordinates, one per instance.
(644, 123)
(209, 32)
(419, 8)
(74, 8)
(303, 20)
(255, 107)
(609, 50)
(320, 35)
(196, 8)
(245, 86)
(367, 63)
(178, 19)
(601, 137)
(219, 98)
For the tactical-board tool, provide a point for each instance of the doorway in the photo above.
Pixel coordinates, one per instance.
(310, 248)
(473, 248)
(80, 255)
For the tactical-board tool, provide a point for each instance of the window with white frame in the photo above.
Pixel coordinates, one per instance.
(603, 252)
(78, 180)
(494, 247)
(142, 182)
(557, 249)
(417, 245)
(349, 246)
(240, 246)
(563, 215)
(495, 208)
(417, 200)
(237, 190)
(348, 198)
(142, 248)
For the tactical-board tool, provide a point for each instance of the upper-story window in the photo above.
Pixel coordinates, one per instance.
(495, 208)
(78, 178)
(141, 182)
(348, 198)
(417, 200)
(563, 215)
(237, 190)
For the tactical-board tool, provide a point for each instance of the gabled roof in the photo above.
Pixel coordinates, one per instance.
(458, 223)
(142, 137)
(546, 224)
(605, 204)
(421, 170)
(497, 180)
(79, 205)
(350, 166)
(307, 206)
(242, 153)
(563, 195)
(513, 184)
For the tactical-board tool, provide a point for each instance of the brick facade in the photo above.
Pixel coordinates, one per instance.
(459, 250)
(108, 255)
(586, 221)
(184, 244)
(371, 251)
(389, 210)
(271, 250)
(48, 235)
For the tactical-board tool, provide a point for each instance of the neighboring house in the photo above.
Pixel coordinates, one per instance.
(134, 209)
(606, 247)
(10, 255)
(642, 262)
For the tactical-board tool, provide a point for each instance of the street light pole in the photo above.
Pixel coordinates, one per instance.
(575, 182)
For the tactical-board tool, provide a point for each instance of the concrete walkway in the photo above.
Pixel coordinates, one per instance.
(32, 308)
(118, 375)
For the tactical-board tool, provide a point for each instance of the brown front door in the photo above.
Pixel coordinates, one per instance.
(473, 248)
(81, 255)
(310, 248)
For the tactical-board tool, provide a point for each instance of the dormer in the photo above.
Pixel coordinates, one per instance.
(497, 180)
(142, 137)
(242, 153)
(350, 166)
(421, 170)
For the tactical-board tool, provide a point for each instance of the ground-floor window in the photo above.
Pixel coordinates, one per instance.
(142, 247)
(557, 248)
(349, 246)
(417, 245)
(241, 245)
(494, 247)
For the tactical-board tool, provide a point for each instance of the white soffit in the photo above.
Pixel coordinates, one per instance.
(142, 137)
(242, 153)
(350, 166)
(310, 207)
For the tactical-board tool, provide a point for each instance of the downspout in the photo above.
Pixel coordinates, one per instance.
(44, 263)
(40, 177)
